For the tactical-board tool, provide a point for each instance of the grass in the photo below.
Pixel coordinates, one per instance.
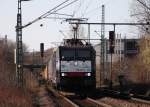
(14, 97)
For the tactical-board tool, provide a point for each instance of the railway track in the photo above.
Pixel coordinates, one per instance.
(111, 102)
(137, 100)
(70, 100)
(124, 103)
(60, 99)
(87, 102)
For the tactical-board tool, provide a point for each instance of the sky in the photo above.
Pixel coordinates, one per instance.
(49, 33)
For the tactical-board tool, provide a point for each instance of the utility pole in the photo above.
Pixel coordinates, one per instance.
(5, 52)
(19, 50)
(102, 59)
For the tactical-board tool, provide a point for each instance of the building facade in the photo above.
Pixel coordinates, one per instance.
(123, 48)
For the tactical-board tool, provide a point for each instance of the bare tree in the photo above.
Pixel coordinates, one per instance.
(140, 64)
(141, 12)
(137, 67)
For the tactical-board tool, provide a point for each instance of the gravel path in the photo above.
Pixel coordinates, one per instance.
(43, 99)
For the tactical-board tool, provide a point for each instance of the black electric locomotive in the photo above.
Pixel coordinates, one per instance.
(72, 66)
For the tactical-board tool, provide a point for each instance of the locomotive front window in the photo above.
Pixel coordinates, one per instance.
(83, 54)
(67, 54)
(75, 54)
(75, 66)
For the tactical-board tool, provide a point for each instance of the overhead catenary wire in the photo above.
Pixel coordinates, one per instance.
(62, 14)
(87, 6)
(78, 8)
(53, 10)
(90, 11)
(96, 9)
(56, 18)
(40, 17)
(62, 7)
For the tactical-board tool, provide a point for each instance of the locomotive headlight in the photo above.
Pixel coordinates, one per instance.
(63, 74)
(76, 63)
(88, 74)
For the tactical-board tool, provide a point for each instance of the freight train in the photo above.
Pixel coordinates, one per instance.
(72, 66)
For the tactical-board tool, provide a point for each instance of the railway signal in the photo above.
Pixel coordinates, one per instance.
(111, 41)
(42, 49)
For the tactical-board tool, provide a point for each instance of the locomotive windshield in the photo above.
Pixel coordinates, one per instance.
(75, 66)
(83, 53)
(76, 59)
(75, 54)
